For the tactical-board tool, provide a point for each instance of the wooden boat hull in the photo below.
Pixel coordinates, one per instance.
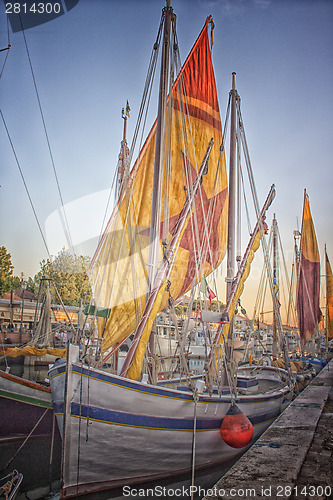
(22, 404)
(146, 431)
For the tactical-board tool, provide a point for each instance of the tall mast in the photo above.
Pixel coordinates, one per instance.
(275, 285)
(232, 200)
(155, 223)
(326, 302)
(232, 190)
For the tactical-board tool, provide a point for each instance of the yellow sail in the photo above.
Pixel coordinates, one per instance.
(240, 288)
(119, 273)
(236, 292)
(31, 350)
(308, 287)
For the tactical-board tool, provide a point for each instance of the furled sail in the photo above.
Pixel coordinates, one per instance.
(42, 341)
(43, 336)
(119, 271)
(329, 299)
(308, 288)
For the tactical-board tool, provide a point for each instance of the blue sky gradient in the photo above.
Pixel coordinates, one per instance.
(90, 61)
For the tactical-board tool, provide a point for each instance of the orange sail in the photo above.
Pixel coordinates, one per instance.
(329, 299)
(119, 273)
(308, 290)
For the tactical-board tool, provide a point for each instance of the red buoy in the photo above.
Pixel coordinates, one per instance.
(236, 429)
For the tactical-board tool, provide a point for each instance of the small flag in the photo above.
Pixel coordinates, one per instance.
(206, 290)
(128, 109)
(276, 290)
(275, 285)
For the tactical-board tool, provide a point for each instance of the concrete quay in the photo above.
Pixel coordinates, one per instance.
(293, 459)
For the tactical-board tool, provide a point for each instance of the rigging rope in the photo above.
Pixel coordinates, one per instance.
(247, 159)
(239, 207)
(4, 63)
(289, 283)
(7, 48)
(147, 92)
(257, 210)
(128, 189)
(259, 304)
(25, 184)
(291, 304)
(67, 231)
(201, 247)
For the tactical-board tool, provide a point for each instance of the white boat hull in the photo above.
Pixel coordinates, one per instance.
(118, 432)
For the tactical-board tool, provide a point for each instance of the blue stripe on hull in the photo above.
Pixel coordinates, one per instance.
(151, 422)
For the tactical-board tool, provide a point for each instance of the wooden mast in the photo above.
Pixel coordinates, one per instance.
(155, 223)
(275, 286)
(326, 302)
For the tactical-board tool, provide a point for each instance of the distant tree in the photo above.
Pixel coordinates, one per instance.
(181, 310)
(14, 282)
(31, 286)
(6, 270)
(68, 273)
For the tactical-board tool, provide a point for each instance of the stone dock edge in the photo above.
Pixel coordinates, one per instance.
(272, 467)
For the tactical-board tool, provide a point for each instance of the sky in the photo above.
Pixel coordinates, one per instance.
(90, 61)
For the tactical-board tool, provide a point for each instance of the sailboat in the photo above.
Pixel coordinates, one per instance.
(168, 229)
(26, 405)
(308, 285)
(307, 295)
(329, 308)
(284, 344)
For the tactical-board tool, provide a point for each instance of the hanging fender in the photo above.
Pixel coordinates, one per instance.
(236, 429)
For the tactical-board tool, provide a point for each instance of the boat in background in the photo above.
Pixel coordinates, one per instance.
(26, 405)
(304, 366)
(308, 282)
(328, 346)
(316, 349)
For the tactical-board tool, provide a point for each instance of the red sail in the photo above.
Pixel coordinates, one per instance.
(329, 299)
(308, 310)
